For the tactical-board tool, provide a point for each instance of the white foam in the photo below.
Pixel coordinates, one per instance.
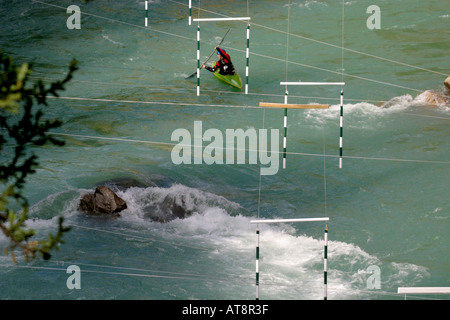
(291, 263)
(421, 99)
(194, 200)
(364, 110)
(308, 4)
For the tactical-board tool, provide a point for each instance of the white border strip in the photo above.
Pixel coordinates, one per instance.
(221, 19)
(300, 83)
(289, 220)
(424, 290)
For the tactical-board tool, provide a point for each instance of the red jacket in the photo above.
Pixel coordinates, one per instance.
(225, 67)
(226, 56)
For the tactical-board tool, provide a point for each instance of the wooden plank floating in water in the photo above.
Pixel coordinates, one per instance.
(293, 106)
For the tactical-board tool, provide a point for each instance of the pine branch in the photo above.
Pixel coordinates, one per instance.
(29, 130)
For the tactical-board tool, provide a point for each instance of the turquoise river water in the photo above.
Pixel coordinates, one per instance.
(388, 205)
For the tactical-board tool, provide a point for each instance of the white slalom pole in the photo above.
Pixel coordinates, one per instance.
(190, 12)
(247, 53)
(198, 60)
(285, 130)
(341, 125)
(257, 264)
(325, 265)
(146, 13)
(287, 221)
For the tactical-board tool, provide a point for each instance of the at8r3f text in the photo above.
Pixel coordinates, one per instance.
(244, 309)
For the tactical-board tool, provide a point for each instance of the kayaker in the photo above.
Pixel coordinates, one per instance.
(223, 63)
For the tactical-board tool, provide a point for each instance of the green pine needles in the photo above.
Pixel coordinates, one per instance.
(22, 126)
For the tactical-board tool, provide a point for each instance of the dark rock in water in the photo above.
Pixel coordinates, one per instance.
(87, 203)
(152, 202)
(102, 202)
(169, 209)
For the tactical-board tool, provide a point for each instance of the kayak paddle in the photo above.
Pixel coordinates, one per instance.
(189, 77)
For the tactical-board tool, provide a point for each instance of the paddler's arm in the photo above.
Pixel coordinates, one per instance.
(209, 68)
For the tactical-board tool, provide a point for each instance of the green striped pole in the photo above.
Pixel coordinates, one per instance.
(198, 60)
(325, 265)
(248, 58)
(146, 13)
(190, 12)
(341, 128)
(288, 221)
(257, 264)
(285, 130)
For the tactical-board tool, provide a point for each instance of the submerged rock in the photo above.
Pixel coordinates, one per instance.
(105, 202)
(159, 204)
(102, 202)
(169, 209)
(434, 98)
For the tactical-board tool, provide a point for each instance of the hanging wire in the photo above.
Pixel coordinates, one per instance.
(324, 173)
(287, 62)
(330, 44)
(342, 40)
(204, 90)
(114, 20)
(139, 237)
(287, 42)
(260, 166)
(200, 278)
(274, 58)
(248, 150)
